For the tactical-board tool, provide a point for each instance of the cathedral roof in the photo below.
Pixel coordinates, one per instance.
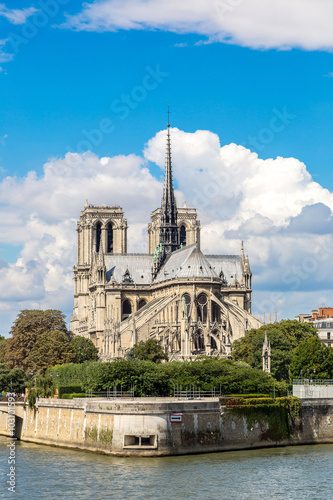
(230, 265)
(188, 262)
(137, 265)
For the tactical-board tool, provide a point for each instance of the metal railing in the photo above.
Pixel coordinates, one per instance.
(312, 381)
(193, 392)
(111, 393)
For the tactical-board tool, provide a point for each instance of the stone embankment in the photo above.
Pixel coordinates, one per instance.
(156, 426)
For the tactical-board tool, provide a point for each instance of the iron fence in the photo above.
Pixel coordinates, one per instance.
(193, 392)
(312, 381)
(111, 393)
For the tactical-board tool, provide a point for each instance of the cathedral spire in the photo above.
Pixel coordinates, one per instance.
(168, 229)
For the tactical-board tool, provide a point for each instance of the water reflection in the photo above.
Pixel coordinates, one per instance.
(46, 472)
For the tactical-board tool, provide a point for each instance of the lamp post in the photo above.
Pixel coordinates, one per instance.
(32, 374)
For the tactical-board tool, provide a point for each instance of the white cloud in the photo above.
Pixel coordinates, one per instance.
(4, 56)
(252, 23)
(16, 16)
(231, 183)
(40, 213)
(284, 217)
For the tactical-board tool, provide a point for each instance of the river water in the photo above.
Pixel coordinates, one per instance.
(45, 472)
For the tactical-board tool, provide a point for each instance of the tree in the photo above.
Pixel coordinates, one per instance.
(312, 359)
(149, 351)
(160, 379)
(43, 387)
(3, 348)
(51, 348)
(12, 380)
(283, 336)
(28, 326)
(84, 349)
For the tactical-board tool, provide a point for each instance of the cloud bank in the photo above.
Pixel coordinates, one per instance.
(283, 216)
(257, 24)
(16, 16)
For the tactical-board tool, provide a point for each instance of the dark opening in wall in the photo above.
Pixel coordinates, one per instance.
(98, 236)
(182, 236)
(142, 303)
(110, 239)
(127, 309)
(147, 441)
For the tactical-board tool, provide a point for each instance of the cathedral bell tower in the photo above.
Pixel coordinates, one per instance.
(168, 227)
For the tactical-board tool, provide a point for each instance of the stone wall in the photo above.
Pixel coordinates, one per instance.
(313, 391)
(149, 426)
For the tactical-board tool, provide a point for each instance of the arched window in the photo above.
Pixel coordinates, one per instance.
(142, 303)
(127, 309)
(186, 303)
(215, 312)
(110, 239)
(199, 341)
(202, 307)
(182, 236)
(98, 236)
(213, 343)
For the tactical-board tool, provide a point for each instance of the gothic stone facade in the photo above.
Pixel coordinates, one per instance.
(192, 303)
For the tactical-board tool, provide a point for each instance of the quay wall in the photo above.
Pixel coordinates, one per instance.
(155, 426)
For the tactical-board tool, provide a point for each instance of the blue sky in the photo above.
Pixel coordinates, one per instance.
(121, 65)
(62, 82)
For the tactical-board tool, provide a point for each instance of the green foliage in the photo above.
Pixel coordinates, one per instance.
(43, 387)
(312, 359)
(149, 351)
(74, 395)
(69, 389)
(247, 396)
(84, 349)
(106, 436)
(51, 347)
(12, 380)
(69, 374)
(3, 348)
(28, 326)
(276, 417)
(153, 379)
(283, 336)
(209, 436)
(91, 434)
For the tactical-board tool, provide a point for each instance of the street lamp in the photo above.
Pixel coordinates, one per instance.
(32, 374)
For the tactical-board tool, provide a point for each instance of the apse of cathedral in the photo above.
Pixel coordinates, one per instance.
(191, 303)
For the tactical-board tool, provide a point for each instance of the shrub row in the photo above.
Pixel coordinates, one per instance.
(149, 378)
(74, 395)
(68, 389)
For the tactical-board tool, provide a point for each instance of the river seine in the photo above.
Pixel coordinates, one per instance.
(45, 472)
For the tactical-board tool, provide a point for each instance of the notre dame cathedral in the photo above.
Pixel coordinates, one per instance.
(191, 303)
